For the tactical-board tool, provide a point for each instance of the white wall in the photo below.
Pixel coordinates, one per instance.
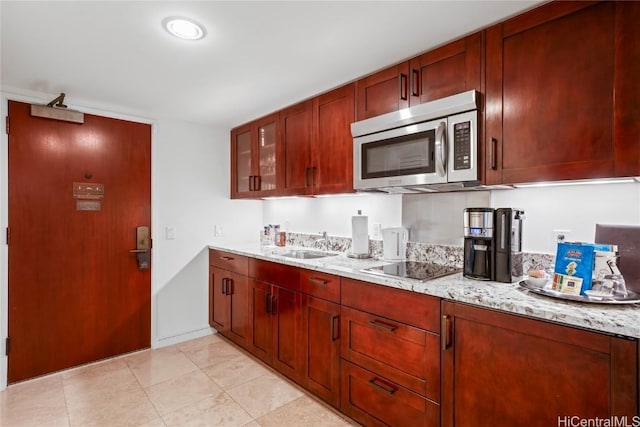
(577, 208)
(333, 214)
(191, 195)
(190, 192)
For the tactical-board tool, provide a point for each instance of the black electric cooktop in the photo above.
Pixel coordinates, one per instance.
(422, 271)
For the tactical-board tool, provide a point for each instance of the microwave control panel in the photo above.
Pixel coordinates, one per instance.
(462, 145)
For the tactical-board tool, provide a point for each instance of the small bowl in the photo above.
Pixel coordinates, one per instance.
(538, 282)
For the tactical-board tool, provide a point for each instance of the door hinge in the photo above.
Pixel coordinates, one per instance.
(8, 235)
(7, 125)
(6, 346)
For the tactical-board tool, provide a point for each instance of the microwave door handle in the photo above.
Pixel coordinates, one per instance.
(441, 149)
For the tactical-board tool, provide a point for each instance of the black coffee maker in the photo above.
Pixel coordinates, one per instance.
(508, 245)
(493, 244)
(479, 248)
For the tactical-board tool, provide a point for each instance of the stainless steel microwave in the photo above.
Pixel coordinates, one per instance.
(428, 147)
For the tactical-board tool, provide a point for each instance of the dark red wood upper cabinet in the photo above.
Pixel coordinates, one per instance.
(332, 165)
(295, 149)
(383, 92)
(555, 80)
(316, 146)
(453, 68)
(626, 119)
(254, 158)
(447, 70)
(500, 369)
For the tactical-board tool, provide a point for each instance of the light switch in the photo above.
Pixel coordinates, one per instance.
(170, 233)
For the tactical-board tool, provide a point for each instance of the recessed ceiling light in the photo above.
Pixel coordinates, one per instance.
(184, 28)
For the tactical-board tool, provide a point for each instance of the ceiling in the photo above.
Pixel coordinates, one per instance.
(257, 56)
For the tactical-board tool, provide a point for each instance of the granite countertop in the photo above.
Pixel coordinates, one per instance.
(508, 297)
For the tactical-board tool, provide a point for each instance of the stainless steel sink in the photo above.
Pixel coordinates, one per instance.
(307, 254)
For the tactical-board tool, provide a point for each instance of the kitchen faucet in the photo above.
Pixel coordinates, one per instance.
(324, 239)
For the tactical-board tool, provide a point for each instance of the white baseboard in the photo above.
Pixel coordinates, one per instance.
(175, 339)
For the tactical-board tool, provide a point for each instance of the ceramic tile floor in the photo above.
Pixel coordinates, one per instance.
(203, 382)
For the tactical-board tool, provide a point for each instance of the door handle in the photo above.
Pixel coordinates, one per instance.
(415, 82)
(267, 303)
(493, 154)
(445, 332)
(403, 86)
(441, 149)
(382, 325)
(143, 247)
(382, 386)
(334, 336)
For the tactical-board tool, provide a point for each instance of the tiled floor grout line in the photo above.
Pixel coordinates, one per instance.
(66, 404)
(146, 394)
(171, 363)
(286, 379)
(224, 390)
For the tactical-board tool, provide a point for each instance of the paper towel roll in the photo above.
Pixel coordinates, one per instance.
(360, 234)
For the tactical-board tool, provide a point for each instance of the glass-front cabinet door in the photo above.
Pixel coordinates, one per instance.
(243, 162)
(267, 156)
(253, 158)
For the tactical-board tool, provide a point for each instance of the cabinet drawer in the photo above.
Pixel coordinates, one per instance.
(406, 355)
(408, 307)
(229, 261)
(321, 285)
(376, 401)
(272, 272)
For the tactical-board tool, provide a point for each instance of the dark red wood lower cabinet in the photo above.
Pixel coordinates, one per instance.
(377, 401)
(506, 370)
(228, 304)
(260, 300)
(322, 330)
(276, 317)
(288, 343)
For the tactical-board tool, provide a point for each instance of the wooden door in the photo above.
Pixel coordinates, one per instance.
(243, 163)
(332, 161)
(238, 292)
(288, 345)
(266, 148)
(261, 303)
(550, 94)
(448, 70)
(254, 158)
(76, 293)
(218, 300)
(296, 168)
(383, 92)
(505, 370)
(322, 329)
